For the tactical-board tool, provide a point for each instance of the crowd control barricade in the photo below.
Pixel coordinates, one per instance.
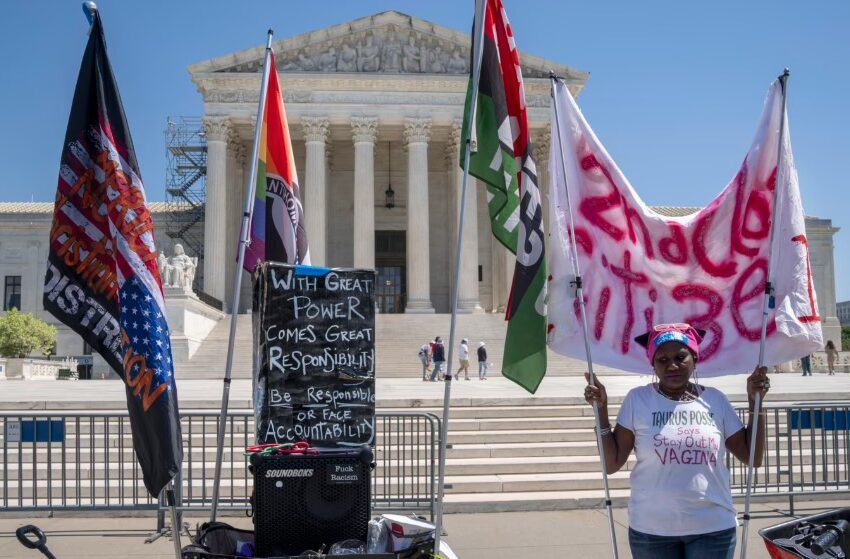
(807, 452)
(84, 461)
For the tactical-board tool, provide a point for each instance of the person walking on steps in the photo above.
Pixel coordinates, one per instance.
(425, 359)
(680, 431)
(806, 365)
(831, 356)
(438, 354)
(482, 361)
(463, 355)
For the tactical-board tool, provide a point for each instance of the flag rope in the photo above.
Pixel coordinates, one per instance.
(244, 239)
(555, 82)
(768, 304)
(478, 50)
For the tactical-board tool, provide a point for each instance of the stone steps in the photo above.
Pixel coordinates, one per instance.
(397, 341)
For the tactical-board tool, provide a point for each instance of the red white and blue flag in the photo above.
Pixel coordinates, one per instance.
(102, 274)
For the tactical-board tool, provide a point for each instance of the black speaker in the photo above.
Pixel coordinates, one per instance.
(304, 501)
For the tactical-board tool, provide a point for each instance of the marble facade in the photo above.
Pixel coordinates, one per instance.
(371, 103)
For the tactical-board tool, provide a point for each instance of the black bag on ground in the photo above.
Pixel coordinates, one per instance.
(217, 540)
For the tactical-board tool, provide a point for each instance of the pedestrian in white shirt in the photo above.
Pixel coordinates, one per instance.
(463, 355)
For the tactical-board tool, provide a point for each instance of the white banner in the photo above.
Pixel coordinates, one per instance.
(640, 268)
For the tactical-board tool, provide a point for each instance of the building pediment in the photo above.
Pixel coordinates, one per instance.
(385, 43)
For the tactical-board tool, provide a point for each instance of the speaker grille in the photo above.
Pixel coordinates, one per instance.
(305, 501)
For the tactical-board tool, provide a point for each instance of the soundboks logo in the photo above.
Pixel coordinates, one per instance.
(294, 472)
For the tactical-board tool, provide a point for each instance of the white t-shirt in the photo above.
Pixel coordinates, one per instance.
(464, 352)
(680, 484)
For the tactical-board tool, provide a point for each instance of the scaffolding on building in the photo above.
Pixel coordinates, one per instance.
(186, 186)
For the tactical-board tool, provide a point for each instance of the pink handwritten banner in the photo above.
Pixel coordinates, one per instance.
(640, 268)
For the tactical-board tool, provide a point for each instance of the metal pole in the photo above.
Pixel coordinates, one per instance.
(768, 304)
(244, 239)
(574, 258)
(478, 50)
(175, 520)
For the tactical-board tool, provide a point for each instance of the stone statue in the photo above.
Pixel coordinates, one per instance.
(347, 61)
(412, 56)
(327, 60)
(182, 269)
(391, 60)
(290, 65)
(368, 56)
(435, 62)
(305, 63)
(164, 269)
(457, 64)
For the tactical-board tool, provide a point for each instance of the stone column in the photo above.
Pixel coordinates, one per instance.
(215, 211)
(31, 284)
(542, 145)
(819, 234)
(503, 273)
(235, 203)
(417, 132)
(468, 282)
(315, 189)
(364, 131)
(242, 156)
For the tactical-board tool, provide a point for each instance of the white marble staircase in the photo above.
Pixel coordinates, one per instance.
(397, 341)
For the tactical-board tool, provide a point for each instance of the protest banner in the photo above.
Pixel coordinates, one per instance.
(314, 340)
(709, 269)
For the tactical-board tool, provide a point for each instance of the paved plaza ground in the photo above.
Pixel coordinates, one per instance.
(195, 394)
(575, 534)
(534, 535)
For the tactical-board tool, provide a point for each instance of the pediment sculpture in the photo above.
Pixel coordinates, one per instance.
(387, 50)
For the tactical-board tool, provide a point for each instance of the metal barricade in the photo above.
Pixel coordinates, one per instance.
(807, 452)
(85, 461)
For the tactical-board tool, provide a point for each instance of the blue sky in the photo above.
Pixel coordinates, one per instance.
(675, 91)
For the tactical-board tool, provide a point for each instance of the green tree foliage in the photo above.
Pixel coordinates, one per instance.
(845, 337)
(23, 334)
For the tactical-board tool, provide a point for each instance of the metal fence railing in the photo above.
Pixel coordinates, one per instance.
(85, 461)
(808, 452)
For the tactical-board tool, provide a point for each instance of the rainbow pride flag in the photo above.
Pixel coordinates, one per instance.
(277, 222)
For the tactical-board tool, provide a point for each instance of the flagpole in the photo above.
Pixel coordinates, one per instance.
(244, 239)
(176, 526)
(578, 285)
(769, 303)
(478, 50)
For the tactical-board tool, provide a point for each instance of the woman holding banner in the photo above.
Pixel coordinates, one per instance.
(681, 501)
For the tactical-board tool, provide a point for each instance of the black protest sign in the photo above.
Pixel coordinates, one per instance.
(314, 342)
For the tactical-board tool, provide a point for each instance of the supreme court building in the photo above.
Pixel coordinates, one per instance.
(374, 109)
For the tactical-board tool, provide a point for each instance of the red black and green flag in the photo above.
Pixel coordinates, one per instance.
(503, 160)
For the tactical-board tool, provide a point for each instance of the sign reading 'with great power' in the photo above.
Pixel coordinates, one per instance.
(314, 355)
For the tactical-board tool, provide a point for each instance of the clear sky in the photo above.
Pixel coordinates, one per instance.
(675, 92)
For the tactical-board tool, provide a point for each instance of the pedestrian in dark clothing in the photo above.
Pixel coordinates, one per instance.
(438, 355)
(482, 361)
(806, 364)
